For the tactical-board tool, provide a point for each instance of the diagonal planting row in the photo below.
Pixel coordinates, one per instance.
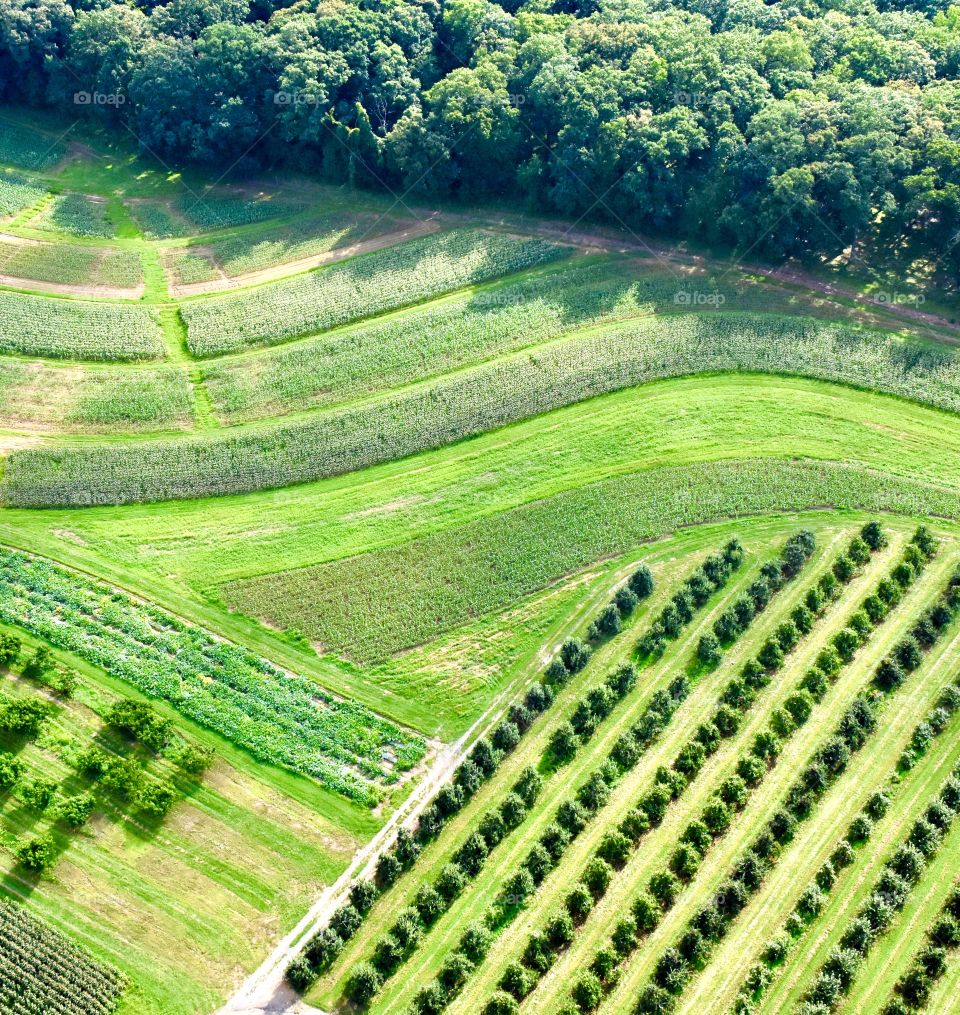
(814, 843)
(891, 890)
(867, 829)
(638, 805)
(483, 762)
(678, 964)
(593, 709)
(722, 801)
(941, 943)
(527, 877)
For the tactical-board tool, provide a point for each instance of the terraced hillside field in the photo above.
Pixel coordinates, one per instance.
(418, 610)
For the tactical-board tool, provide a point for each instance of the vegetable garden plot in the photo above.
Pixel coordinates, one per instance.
(78, 329)
(44, 973)
(302, 238)
(17, 193)
(473, 401)
(213, 212)
(280, 719)
(71, 265)
(372, 284)
(76, 214)
(91, 400)
(28, 149)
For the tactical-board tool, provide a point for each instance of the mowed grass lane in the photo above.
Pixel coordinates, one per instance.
(796, 754)
(716, 988)
(893, 953)
(658, 844)
(507, 857)
(667, 423)
(668, 575)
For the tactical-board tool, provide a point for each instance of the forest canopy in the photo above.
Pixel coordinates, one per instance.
(796, 128)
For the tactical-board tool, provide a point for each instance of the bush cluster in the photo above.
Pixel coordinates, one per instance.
(737, 617)
(698, 587)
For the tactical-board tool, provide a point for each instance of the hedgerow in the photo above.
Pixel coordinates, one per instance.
(278, 718)
(78, 329)
(361, 287)
(41, 971)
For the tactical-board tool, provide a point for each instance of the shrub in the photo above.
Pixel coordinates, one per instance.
(579, 902)
(588, 992)
(708, 650)
(501, 1003)
(10, 648)
(608, 623)
(641, 582)
(475, 941)
(575, 654)
(75, 811)
(363, 983)
(36, 854)
(564, 742)
(559, 930)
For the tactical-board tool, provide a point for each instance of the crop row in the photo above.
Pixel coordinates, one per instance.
(361, 287)
(75, 213)
(483, 761)
(100, 399)
(78, 329)
(44, 973)
(382, 354)
(858, 835)
(677, 964)
(464, 404)
(943, 937)
(279, 718)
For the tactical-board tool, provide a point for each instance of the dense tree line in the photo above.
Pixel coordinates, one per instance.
(793, 128)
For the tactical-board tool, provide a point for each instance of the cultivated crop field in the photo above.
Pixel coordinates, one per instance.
(415, 608)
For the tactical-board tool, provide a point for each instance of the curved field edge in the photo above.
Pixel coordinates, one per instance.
(372, 605)
(469, 402)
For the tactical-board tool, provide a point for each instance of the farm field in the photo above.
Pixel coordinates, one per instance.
(413, 607)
